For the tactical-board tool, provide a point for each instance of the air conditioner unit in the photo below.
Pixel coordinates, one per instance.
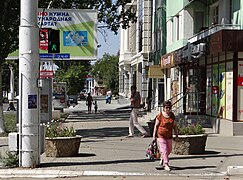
(196, 49)
(174, 74)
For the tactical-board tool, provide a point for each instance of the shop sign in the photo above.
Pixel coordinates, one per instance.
(177, 56)
(167, 60)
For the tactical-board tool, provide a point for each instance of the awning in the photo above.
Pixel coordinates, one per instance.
(155, 71)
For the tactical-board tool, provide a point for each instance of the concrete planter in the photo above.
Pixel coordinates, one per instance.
(190, 144)
(62, 146)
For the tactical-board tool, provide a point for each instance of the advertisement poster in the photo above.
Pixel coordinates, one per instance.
(77, 33)
(209, 90)
(221, 110)
(240, 92)
(44, 103)
(43, 41)
(77, 28)
(215, 89)
(59, 95)
(32, 101)
(229, 90)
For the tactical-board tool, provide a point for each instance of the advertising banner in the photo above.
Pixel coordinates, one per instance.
(77, 33)
(221, 110)
(209, 90)
(240, 92)
(215, 89)
(229, 90)
(77, 28)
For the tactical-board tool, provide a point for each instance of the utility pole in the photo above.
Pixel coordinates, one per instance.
(29, 123)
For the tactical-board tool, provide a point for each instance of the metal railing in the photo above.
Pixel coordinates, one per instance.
(193, 102)
(211, 30)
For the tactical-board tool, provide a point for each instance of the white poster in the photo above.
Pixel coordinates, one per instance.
(209, 90)
(229, 90)
(240, 92)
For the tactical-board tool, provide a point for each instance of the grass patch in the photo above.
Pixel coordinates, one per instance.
(9, 123)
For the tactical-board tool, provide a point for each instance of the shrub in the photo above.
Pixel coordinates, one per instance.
(189, 129)
(57, 129)
(11, 159)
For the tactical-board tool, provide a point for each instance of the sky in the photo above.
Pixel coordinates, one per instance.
(111, 45)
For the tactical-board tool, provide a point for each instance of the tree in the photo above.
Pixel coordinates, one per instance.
(9, 25)
(74, 74)
(107, 69)
(109, 12)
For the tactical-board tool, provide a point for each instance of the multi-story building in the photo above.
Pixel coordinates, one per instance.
(135, 49)
(204, 59)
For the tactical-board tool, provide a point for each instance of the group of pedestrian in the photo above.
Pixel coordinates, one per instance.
(164, 127)
(89, 102)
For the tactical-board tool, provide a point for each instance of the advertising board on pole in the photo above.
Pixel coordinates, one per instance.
(77, 33)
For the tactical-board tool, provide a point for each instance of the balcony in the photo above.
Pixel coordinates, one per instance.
(211, 30)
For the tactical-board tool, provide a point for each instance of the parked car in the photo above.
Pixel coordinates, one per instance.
(73, 99)
(83, 94)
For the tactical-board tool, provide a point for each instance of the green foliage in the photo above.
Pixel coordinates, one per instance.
(107, 69)
(57, 129)
(189, 129)
(10, 122)
(111, 14)
(74, 74)
(9, 27)
(11, 159)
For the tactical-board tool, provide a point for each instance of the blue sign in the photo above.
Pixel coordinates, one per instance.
(75, 38)
(55, 56)
(46, 56)
(62, 56)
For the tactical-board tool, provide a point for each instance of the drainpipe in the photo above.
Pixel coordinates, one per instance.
(29, 155)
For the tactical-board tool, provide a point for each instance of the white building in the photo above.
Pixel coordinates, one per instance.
(135, 50)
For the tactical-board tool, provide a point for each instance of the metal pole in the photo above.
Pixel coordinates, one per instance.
(28, 91)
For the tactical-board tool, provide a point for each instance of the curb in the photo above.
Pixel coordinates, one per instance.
(235, 170)
(40, 173)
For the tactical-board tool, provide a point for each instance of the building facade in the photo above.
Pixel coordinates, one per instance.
(135, 49)
(204, 59)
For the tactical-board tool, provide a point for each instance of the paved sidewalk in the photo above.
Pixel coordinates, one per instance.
(105, 151)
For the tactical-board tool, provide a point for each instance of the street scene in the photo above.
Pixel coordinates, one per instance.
(121, 89)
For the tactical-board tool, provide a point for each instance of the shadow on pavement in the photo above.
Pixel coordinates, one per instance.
(204, 156)
(53, 164)
(105, 132)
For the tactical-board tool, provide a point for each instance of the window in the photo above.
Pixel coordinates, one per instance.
(199, 21)
(215, 14)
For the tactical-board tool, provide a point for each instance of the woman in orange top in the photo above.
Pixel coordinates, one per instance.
(163, 128)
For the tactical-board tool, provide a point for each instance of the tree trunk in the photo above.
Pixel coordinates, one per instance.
(1, 101)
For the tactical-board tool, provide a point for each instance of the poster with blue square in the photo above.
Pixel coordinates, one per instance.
(75, 38)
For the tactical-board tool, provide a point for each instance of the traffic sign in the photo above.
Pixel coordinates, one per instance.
(46, 56)
(62, 56)
(46, 74)
(55, 56)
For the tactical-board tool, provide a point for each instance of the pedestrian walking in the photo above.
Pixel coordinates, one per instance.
(135, 105)
(108, 97)
(163, 129)
(89, 101)
(95, 106)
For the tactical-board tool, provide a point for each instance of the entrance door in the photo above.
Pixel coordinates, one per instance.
(161, 86)
(195, 88)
